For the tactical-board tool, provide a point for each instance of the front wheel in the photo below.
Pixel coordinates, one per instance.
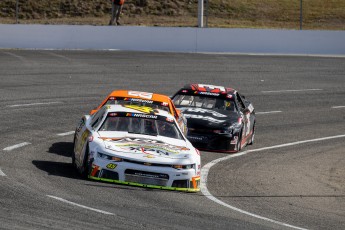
(85, 168)
(73, 154)
(238, 145)
(252, 137)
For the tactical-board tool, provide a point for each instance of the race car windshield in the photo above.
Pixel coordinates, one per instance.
(205, 102)
(139, 102)
(141, 126)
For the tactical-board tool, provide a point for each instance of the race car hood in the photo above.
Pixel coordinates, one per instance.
(150, 150)
(209, 119)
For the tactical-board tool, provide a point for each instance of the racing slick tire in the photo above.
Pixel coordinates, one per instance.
(253, 136)
(238, 145)
(73, 155)
(84, 171)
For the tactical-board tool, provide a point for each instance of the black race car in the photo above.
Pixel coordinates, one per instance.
(218, 118)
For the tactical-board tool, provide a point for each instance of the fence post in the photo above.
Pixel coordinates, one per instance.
(200, 13)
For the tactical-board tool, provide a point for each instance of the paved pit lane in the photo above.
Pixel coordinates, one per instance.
(296, 185)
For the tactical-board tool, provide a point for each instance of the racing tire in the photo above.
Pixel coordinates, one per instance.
(238, 145)
(73, 155)
(84, 172)
(253, 136)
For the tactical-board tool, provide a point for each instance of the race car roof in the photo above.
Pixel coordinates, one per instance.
(142, 95)
(209, 88)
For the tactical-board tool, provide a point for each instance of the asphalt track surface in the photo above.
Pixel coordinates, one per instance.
(299, 101)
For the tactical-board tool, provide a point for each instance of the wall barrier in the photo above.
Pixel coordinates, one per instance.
(172, 39)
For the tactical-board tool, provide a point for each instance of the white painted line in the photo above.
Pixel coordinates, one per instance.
(338, 107)
(66, 134)
(292, 90)
(207, 167)
(32, 104)
(2, 173)
(268, 112)
(81, 206)
(16, 146)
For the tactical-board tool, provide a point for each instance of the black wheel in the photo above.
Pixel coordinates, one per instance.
(85, 168)
(238, 145)
(253, 136)
(73, 155)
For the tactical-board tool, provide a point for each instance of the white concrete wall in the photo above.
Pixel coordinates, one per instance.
(174, 39)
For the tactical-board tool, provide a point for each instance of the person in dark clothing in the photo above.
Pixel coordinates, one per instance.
(116, 8)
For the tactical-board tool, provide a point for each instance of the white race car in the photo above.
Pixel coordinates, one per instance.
(128, 146)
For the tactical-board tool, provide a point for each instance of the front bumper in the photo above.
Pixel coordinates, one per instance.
(158, 177)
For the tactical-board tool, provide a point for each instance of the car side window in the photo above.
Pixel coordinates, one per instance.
(97, 118)
(239, 102)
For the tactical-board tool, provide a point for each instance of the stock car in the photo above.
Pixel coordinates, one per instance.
(149, 100)
(125, 145)
(218, 118)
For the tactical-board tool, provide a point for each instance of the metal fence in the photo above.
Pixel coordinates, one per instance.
(287, 14)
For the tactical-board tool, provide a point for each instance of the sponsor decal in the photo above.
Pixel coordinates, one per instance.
(141, 115)
(165, 103)
(144, 116)
(141, 100)
(211, 119)
(200, 110)
(208, 93)
(111, 166)
(146, 146)
(195, 138)
(143, 109)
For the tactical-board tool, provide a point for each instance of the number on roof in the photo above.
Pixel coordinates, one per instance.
(140, 94)
(212, 87)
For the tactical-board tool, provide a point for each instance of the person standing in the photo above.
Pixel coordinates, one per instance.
(116, 8)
